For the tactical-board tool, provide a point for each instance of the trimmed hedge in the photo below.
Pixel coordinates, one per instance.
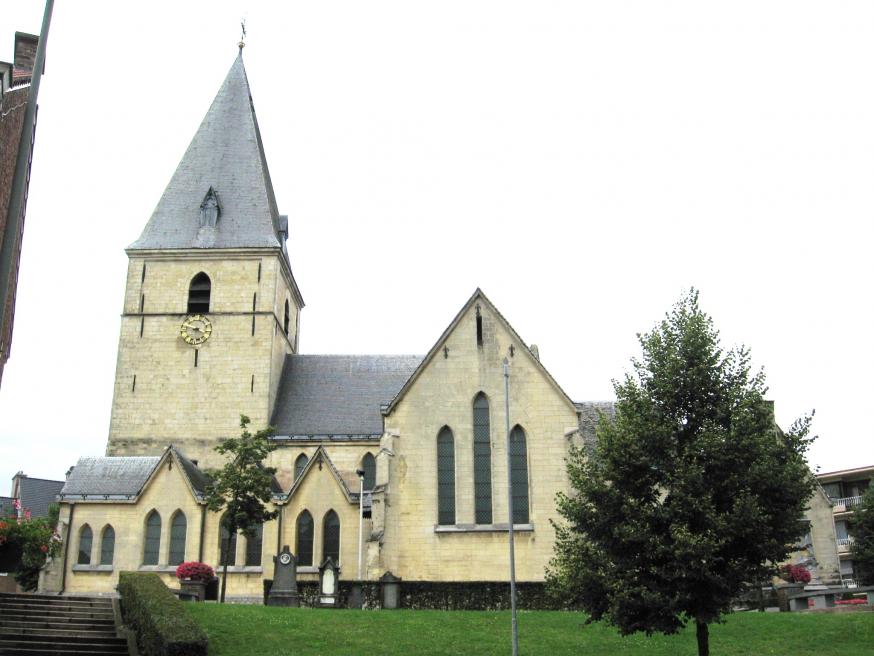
(162, 625)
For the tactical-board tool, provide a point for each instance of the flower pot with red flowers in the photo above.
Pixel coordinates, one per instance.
(193, 578)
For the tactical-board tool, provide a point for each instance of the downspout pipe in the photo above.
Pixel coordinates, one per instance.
(202, 529)
(67, 549)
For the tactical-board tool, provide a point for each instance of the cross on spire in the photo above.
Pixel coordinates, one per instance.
(242, 43)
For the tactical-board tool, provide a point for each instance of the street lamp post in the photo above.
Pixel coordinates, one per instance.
(360, 473)
(510, 508)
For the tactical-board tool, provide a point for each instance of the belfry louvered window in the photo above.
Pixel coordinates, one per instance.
(299, 465)
(85, 538)
(178, 530)
(198, 294)
(368, 464)
(304, 539)
(519, 475)
(331, 537)
(482, 461)
(227, 546)
(445, 477)
(107, 546)
(253, 546)
(153, 538)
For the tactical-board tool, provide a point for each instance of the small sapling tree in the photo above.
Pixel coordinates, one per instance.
(862, 530)
(242, 487)
(688, 495)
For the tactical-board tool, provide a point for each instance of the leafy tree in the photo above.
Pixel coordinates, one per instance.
(862, 529)
(242, 487)
(691, 492)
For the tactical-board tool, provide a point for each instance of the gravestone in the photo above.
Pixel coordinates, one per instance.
(329, 580)
(391, 590)
(284, 589)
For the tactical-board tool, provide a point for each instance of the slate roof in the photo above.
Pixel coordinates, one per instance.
(111, 477)
(330, 395)
(226, 154)
(36, 494)
(588, 412)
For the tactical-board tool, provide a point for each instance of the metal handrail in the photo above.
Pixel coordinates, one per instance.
(847, 501)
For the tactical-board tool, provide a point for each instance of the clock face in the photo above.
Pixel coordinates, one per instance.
(285, 558)
(196, 329)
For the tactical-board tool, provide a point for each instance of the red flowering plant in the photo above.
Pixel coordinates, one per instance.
(795, 574)
(195, 571)
(35, 538)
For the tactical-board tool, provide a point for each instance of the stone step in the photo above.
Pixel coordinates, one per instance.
(55, 603)
(12, 646)
(59, 623)
(56, 651)
(100, 634)
(49, 599)
(29, 612)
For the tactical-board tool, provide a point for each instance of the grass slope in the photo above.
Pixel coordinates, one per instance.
(258, 630)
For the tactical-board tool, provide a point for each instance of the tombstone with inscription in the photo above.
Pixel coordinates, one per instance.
(329, 578)
(283, 592)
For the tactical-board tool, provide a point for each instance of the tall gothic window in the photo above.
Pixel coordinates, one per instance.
(299, 465)
(153, 538)
(368, 464)
(178, 529)
(198, 294)
(304, 539)
(445, 476)
(107, 545)
(519, 475)
(331, 537)
(227, 545)
(85, 538)
(253, 546)
(286, 319)
(482, 461)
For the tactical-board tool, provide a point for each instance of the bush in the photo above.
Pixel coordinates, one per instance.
(162, 624)
(195, 571)
(795, 574)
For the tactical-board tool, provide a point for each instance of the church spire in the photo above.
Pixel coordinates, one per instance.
(225, 159)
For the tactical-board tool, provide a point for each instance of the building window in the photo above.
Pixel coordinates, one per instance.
(368, 464)
(286, 319)
(445, 477)
(519, 475)
(304, 539)
(85, 537)
(227, 545)
(198, 294)
(253, 546)
(331, 537)
(107, 546)
(299, 465)
(178, 528)
(153, 538)
(482, 461)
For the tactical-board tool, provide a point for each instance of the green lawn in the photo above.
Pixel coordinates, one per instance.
(257, 630)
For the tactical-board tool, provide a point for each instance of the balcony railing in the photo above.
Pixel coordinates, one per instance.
(848, 583)
(843, 503)
(844, 543)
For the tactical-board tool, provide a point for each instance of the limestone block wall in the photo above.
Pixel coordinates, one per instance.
(443, 396)
(822, 548)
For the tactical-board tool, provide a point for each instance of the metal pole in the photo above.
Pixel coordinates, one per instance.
(360, 524)
(19, 181)
(510, 509)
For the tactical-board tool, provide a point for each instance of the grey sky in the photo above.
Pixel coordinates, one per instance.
(582, 162)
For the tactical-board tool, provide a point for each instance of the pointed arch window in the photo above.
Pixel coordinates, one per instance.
(227, 545)
(107, 545)
(368, 464)
(286, 319)
(331, 537)
(198, 294)
(300, 464)
(178, 530)
(153, 538)
(519, 475)
(445, 476)
(482, 461)
(304, 539)
(85, 539)
(253, 546)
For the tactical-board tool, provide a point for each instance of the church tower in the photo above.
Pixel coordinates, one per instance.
(211, 308)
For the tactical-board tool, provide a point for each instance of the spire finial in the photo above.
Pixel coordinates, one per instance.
(242, 43)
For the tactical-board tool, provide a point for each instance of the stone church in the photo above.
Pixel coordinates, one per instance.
(209, 331)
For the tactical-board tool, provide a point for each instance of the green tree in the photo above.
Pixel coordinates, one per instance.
(691, 492)
(862, 530)
(242, 487)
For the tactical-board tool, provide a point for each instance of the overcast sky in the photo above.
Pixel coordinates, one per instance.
(583, 162)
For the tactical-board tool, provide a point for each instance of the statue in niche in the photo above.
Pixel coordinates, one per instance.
(210, 209)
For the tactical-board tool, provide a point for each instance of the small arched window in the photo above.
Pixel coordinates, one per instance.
(304, 539)
(300, 464)
(253, 546)
(331, 537)
(368, 464)
(178, 529)
(445, 476)
(227, 545)
(198, 294)
(286, 319)
(107, 545)
(482, 461)
(153, 538)
(85, 539)
(519, 475)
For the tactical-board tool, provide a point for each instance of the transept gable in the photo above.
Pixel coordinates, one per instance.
(320, 464)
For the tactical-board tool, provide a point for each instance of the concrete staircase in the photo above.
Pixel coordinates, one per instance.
(41, 624)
